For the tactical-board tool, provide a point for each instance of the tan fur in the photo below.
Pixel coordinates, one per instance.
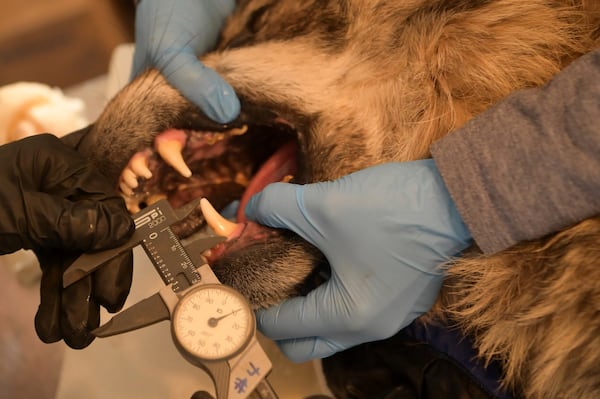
(433, 80)
(536, 307)
(383, 87)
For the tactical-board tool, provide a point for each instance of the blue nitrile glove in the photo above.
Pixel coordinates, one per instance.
(170, 35)
(384, 230)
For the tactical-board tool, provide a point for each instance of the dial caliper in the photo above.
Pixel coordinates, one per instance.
(212, 325)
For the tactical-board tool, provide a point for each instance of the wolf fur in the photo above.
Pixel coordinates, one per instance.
(372, 81)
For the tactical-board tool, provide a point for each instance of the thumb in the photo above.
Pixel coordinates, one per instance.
(281, 205)
(202, 86)
(300, 350)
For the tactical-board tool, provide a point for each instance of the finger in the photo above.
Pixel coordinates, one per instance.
(82, 225)
(80, 314)
(60, 177)
(304, 349)
(110, 224)
(47, 317)
(281, 205)
(230, 210)
(59, 170)
(56, 168)
(70, 313)
(202, 86)
(112, 282)
(339, 309)
(324, 312)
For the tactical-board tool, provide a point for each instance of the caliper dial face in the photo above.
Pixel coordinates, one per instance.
(213, 322)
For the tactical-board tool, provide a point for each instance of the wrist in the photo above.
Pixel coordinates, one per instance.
(458, 225)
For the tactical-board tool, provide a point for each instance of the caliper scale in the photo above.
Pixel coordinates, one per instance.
(212, 325)
(153, 246)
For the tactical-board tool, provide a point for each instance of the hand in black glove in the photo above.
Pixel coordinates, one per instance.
(54, 202)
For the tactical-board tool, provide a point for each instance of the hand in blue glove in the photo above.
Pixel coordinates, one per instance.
(170, 35)
(385, 231)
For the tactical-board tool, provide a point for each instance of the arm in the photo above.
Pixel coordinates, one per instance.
(531, 163)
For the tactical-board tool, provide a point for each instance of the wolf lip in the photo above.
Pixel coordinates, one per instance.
(194, 119)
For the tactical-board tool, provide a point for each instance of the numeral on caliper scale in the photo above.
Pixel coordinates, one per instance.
(174, 265)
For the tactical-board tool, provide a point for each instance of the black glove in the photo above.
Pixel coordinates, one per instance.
(56, 203)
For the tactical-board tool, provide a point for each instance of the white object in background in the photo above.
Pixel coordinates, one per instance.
(29, 108)
(119, 68)
(24, 265)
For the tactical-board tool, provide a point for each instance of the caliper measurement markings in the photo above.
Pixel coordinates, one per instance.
(159, 262)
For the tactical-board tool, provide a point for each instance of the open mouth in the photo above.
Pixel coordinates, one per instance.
(220, 166)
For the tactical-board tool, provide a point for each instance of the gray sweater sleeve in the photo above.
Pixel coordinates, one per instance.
(530, 165)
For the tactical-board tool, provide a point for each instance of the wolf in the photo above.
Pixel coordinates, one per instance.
(331, 87)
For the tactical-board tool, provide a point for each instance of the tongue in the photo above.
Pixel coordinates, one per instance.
(281, 164)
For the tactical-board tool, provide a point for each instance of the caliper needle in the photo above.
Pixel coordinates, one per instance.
(213, 321)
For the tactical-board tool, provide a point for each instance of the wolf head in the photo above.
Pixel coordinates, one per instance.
(347, 84)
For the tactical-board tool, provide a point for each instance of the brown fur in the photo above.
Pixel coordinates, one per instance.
(543, 318)
(367, 82)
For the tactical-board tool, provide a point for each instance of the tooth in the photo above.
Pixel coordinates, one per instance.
(152, 198)
(139, 164)
(218, 223)
(241, 179)
(170, 151)
(125, 189)
(129, 178)
(238, 131)
(133, 206)
(214, 138)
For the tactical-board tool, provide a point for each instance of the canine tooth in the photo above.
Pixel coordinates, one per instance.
(139, 164)
(238, 131)
(218, 223)
(170, 151)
